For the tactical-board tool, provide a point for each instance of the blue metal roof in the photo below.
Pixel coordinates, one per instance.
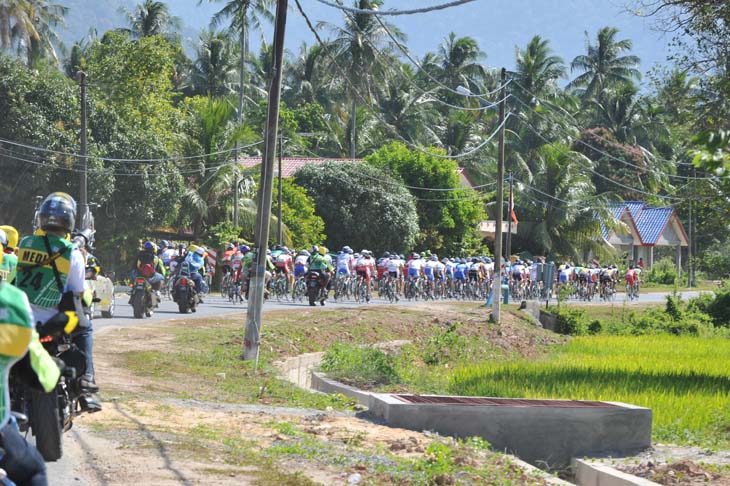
(634, 207)
(651, 222)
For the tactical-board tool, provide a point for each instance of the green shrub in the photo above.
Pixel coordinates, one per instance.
(444, 346)
(363, 365)
(572, 322)
(717, 306)
(662, 272)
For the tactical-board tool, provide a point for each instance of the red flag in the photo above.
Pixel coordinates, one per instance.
(512, 213)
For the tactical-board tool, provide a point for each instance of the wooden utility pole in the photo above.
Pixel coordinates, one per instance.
(508, 253)
(83, 183)
(279, 237)
(263, 215)
(497, 283)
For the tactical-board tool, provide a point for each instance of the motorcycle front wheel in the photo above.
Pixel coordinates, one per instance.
(45, 422)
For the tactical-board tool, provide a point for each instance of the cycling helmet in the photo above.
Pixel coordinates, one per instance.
(434, 257)
(445, 261)
(230, 246)
(322, 250)
(244, 249)
(3, 238)
(148, 246)
(58, 212)
(304, 252)
(386, 255)
(200, 250)
(164, 244)
(314, 249)
(401, 257)
(346, 249)
(284, 249)
(475, 260)
(416, 255)
(488, 260)
(12, 236)
(268, 252)
(463, 260)
(278, 247)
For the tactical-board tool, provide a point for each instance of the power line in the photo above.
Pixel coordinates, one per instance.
(443, 6)
(135, 161)
(633, 189)
(365, 101)
(414, 84)
(406, 52)
(616, 158)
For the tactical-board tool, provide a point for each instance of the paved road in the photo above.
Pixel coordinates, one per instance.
(215, 306)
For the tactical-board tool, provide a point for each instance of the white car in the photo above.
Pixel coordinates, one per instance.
(102, 290)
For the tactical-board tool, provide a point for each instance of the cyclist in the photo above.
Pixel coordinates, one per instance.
(300, 264)
(227, 258)
(9, 265)
(395, 271)
(429, 270)
(632, 279)
(285, 265)
(365, 267)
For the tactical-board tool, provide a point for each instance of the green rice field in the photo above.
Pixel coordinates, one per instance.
(684, 380)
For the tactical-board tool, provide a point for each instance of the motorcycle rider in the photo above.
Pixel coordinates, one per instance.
(20, 461)
(51, 273)
(150, 266)
(318, 262)
(194, 260)
(9, 264)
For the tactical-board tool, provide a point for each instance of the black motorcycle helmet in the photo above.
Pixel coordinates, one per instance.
(58, 212)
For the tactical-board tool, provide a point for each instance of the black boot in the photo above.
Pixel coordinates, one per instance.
(89, 404)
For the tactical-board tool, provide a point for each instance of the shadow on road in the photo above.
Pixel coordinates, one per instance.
(102, 478)
(158, 444)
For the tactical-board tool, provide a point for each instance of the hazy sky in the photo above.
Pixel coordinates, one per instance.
(498, 25)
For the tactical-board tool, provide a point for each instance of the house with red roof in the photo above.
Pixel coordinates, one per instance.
(643, 228)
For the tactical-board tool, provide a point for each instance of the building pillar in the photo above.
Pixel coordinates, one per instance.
(651, 256)
(679, 260)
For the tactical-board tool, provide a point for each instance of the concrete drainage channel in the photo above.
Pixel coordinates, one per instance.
(552, 433)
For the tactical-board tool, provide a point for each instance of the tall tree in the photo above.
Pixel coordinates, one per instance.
(538, 70)
(603, 65)
(28, 25)
(151, 17)
(359, 47)
(242, 17)
(215, 65)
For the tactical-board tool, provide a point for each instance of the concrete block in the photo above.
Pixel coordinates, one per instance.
(591, 474)
(546, 436)
(320, 382)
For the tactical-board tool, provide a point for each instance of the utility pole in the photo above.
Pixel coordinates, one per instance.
(263, 215)
(508, 253)
(497, 283)
(353, 128)
(83, 186)
(689, 247)
(279, 238)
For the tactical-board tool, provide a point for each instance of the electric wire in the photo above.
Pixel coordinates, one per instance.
(132, 161)
(424, 92)
(616, 158)
(629, 188)
(415, 62)
(365, 101)
(378, 13)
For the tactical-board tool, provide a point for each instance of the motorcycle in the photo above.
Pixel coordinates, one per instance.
(316, 288)
(184, 294)
(49, 415)
(143, 300)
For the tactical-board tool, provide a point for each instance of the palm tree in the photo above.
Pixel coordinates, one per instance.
(243, 16)
(28, 24)
(358, 48)
(215, 66)
(209, 190)
(537, 71)
(306, 77)
(150, 18)
(562, 219)
(458, 63)
(604, 65)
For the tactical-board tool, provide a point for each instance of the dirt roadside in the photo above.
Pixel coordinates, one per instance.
(151, 433)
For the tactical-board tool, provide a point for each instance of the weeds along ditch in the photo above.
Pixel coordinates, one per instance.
(684, 380)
